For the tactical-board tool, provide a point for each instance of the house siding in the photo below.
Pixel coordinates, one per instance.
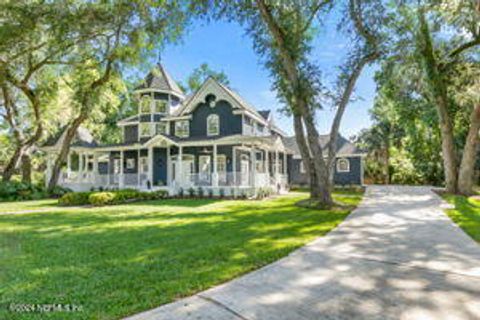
(229, 123)
(353, 177)
(130, 133)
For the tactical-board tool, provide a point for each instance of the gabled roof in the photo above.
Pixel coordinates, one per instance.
(265, 114)
(222, 92)
(344, 146)
(83, 138)
(159, 79)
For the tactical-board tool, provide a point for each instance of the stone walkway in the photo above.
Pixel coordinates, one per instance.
(397, 256)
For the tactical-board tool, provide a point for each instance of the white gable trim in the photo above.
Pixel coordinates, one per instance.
(209, 87)
(159, 139)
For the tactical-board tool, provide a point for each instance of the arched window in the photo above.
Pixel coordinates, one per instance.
(213, 125)
(343, 165)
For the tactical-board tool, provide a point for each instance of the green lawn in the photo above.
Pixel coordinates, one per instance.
(120, 260)
(466, 214)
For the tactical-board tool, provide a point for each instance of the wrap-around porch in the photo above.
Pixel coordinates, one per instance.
(165, 164)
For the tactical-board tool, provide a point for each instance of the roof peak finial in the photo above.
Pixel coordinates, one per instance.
(159, 56)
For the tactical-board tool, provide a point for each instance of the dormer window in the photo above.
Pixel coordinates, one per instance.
(182, 128)
(213, 125)
(160, 106)
(145, 104)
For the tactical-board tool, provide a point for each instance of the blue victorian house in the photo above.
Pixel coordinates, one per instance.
(212, 139)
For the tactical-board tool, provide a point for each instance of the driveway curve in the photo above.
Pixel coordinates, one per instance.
(397, 256)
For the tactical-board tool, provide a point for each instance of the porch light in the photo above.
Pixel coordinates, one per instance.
(205, 150)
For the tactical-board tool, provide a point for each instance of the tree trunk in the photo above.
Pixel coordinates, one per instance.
(26, 168)
(448, 152)
(438, 88)
(12, 164)
(62, 156)
(466, 174)
(306, 157)
(386, 163)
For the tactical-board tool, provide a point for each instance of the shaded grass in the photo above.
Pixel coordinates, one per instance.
(120, 260)
(466, 214)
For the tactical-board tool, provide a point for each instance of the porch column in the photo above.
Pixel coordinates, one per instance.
(69, 164)
(80, 166)
(138, 168)
(95, 172)
(284, 163)
(121, 180)
(276, 165)
(267, 165)
(253, 156)
(169, 168)
(215, 174)
(150, 166)
(178, 174)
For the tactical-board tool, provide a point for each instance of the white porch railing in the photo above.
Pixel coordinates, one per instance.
(133, 180)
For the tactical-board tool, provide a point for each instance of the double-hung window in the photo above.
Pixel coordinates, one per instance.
(160, 106)
(145, 104)
(161, 128)
(145, 129)
(182, 128)
(213, 125)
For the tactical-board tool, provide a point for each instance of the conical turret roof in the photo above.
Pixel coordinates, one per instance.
(159, 79)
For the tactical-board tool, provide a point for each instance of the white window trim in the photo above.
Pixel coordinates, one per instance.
(347, 163)
(166, 124)
(222, 158)
(143, 161)
(144, 97)
(130, 163)
(155, 106)
(140, 131)
(209, 118)
(185, 135)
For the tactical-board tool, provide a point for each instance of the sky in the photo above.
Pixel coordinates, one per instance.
(225, 47)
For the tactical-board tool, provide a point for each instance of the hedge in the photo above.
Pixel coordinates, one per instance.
(109, 197)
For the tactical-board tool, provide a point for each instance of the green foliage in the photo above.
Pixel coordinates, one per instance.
(102, 198)
(191, 192)
(19, 191)
(466, 213)
(109, 197)
(200, 75)
(74, 199)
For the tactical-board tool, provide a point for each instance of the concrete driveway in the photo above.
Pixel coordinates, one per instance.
(398, 256)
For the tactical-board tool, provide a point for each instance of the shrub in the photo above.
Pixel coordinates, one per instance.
(191, 192)
(180, 192)
(210, 193)
(221, 193)
(58, 192)
(103, 198)
(15, 191)
(74, 199)
(200, 192)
